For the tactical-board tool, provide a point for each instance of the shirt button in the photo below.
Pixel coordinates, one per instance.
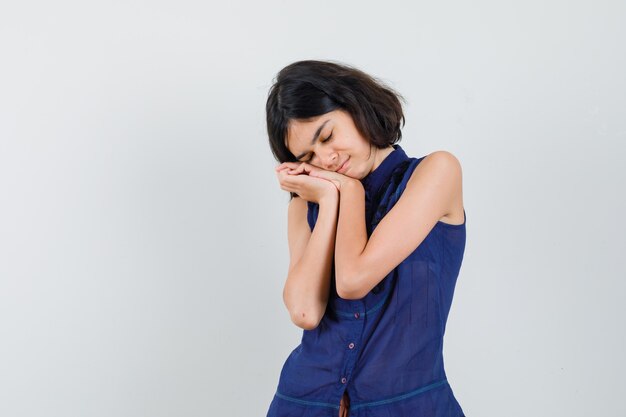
(351, 345)
(356, 315)
(343, 380)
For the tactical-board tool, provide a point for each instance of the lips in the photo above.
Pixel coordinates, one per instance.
(342, 168)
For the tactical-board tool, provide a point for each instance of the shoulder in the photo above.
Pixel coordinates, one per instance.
(439, 171)
(438, 166)
(440, 160)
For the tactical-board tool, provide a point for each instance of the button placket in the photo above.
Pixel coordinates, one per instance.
(354, 335)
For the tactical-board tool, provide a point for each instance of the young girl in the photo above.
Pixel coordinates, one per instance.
(376, 241)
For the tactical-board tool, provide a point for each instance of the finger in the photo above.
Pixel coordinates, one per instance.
(283, 166)
(307, 167)
(287, 165)
(303, 167)
(288, 171)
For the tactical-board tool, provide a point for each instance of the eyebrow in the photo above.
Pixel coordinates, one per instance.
(315, 137)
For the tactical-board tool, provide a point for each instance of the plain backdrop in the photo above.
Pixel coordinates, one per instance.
(143, 237)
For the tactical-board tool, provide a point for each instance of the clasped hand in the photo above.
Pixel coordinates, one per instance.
(304, 179)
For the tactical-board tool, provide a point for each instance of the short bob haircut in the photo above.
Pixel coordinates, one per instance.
(307, 89)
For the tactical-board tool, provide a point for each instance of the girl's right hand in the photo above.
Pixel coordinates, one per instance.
(309, 188)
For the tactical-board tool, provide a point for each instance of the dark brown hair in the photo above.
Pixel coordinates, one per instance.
(310, 88)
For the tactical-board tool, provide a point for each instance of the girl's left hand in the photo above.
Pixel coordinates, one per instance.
(297, 168)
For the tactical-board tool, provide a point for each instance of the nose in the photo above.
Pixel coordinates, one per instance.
(330, 161)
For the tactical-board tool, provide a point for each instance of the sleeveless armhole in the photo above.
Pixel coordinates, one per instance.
(311, 214)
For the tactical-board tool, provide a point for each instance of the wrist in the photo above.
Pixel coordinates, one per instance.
(330, 198)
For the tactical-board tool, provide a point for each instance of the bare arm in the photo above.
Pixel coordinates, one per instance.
(311, 254)
(361, 263)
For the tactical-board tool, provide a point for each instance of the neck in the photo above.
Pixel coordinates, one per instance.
(380, 155)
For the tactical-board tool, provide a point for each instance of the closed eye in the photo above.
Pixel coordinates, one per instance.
(323, 141)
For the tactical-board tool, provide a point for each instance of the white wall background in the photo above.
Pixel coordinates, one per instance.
(143, 234)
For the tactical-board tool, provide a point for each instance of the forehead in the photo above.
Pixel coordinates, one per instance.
(299, 132)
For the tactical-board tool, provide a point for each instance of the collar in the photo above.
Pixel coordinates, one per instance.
(379, 176)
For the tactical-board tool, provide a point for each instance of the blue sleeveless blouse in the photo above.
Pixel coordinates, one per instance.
(385, 349)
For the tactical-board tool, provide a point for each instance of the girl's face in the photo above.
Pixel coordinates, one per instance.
(332, 142)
